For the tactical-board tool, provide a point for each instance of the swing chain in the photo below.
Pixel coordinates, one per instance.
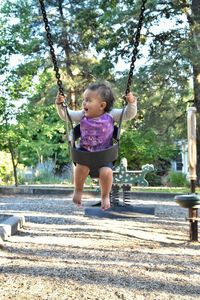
(134, 53)
(52, 51)
(135, 44)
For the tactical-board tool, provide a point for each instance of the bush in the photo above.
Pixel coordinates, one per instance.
(153, 179)
(46, 178)
(43, 173)
(177, 179)
(6, 169)
(142, 148)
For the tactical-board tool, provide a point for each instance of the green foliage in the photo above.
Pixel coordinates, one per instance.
(43, 173)
(6, 169)
(2, 107)
(144, 147)
(154, 179)
(177, 179)
(163, 82)
(41, 178)
(42, 136)
(46, 178)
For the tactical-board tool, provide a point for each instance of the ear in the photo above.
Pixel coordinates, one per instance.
(103, 105)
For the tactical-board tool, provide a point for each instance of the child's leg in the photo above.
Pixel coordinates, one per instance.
(105, 181)
(80, 174)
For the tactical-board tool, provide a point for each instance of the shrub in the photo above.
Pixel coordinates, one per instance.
(142, 148)
(153, 179)
(6, 169)
(177, 179)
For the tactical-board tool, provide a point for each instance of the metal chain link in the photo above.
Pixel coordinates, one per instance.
(134, 52)
(55, 64)
(135, 44)
(54, 60)
(52, 51)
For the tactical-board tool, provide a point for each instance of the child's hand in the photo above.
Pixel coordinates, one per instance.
(60, 99)
(131, 98)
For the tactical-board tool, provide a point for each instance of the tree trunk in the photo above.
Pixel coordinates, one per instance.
(196, 73)
(65, 42)
(198, 149)
(13, 163)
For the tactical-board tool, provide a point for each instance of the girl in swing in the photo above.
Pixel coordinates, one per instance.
(97, 124)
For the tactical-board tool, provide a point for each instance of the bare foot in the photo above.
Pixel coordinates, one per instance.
(105, 203)
(77, 198)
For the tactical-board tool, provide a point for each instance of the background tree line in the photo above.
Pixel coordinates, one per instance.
(89, 38)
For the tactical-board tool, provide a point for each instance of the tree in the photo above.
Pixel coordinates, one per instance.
(32, 78)
(142, 148)
(194, 21)
(171, 54)
(42, 136)
(163, 82)
(10, 139)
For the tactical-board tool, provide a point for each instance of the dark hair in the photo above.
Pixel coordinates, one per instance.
(105, 93)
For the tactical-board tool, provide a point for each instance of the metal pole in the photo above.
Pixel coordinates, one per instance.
(192, 160)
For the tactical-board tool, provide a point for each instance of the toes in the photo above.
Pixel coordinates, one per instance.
(77, 199)
(105, 206)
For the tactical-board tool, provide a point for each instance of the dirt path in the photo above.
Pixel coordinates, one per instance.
(61, 254)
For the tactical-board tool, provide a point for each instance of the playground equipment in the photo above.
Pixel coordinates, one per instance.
(120, 196)
(191, 201)
(123, 179)
(97, 159)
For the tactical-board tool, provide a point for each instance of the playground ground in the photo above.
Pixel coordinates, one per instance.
(60, 254)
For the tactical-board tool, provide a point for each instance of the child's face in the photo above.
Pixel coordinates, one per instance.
(93, 104)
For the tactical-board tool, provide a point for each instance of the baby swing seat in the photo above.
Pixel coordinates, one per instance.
(94, 160)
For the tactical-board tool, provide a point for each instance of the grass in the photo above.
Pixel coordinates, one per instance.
(159, 189)
(94, 185)
(180, 190)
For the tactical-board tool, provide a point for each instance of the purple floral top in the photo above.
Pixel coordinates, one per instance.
(96, 133)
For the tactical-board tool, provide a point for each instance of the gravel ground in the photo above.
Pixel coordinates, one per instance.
(62, 255)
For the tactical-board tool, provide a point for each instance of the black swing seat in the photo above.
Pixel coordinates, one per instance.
(97, 159)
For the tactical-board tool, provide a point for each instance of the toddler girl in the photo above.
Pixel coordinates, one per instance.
(97, 124)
